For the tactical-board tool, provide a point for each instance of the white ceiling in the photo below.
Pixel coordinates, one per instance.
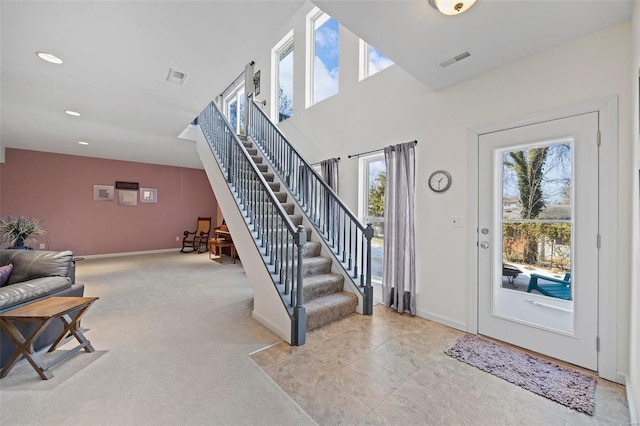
(495, 32)
(118, 54)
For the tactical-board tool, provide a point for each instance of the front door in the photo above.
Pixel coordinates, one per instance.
(537, 238)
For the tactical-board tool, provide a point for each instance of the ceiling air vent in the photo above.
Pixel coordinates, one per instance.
(455, 59)
(176, 77)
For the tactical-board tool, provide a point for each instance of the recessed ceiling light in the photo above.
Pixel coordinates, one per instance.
(73, 113)
(83, 143)
(49, 57)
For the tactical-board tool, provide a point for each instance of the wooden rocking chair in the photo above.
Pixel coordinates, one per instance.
(199, 238)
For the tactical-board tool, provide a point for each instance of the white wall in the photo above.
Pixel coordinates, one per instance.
(633, 384)
(391, 107)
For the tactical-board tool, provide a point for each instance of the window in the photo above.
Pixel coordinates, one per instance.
(371, 60)
(373, 172)
(282, 71)
(323, 57)
(234, 109)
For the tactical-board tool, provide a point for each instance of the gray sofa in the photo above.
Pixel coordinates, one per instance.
(36, 275)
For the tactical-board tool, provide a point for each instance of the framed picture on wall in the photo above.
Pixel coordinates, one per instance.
(127, 198)
(103, 193)
(148, 195)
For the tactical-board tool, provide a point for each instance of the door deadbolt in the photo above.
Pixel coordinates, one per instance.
(485, 231)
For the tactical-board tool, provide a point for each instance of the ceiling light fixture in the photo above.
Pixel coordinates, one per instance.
(451, 7)
(83, 143)
(72, 113)
(49, 57)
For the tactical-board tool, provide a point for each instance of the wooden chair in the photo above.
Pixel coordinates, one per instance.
(198, 238)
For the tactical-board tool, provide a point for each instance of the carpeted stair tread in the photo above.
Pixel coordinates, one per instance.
(247, 144)
(252, 151)
(289, 207)
(296, 219)
(268, 176)
(263, 167)
(281, 196)
(256, 159)
(312, 248)
(309, 249)
(275, 186)
(316, 265)
(322, 284)
(329, 308)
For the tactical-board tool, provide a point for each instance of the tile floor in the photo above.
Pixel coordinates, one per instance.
(391, 369)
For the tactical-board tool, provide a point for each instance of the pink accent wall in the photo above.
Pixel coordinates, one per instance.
(58, 189)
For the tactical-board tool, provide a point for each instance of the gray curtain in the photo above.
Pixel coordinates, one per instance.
(329, 169)
(399, 268)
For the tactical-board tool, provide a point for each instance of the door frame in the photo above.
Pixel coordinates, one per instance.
(607, 109)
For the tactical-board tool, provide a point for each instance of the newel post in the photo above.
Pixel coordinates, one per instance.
(299, 313)
(367, 308)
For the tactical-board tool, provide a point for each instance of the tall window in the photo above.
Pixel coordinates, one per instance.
(323, 57)
(371, 60)
(234, 108)
(282, 70)
(373, 172)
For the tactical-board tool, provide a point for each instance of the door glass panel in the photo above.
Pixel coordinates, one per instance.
(376, 177)
(233, 114)
(535, 245)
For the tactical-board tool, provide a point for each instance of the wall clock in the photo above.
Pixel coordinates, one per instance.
(440, 181)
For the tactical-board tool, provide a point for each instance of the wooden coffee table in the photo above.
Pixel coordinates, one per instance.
(43, 312)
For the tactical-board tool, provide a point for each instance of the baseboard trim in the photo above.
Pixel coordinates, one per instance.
(129, 253)
(442, 320)
(633, 414)
(432, 317)
(285, 335)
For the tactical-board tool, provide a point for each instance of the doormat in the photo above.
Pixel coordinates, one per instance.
(565, 386)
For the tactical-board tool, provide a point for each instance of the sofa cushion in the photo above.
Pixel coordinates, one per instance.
(5, 271)
(30, 264)
(22, 292)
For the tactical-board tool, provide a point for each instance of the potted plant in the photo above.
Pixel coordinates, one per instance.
(17, 230)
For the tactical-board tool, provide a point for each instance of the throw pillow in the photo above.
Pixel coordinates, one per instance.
(5, 271)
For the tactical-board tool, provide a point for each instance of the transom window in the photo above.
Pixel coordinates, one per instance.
(282, 71)
(371, 60)
(323, 56)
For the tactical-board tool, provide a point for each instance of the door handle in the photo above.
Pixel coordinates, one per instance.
(484, 244)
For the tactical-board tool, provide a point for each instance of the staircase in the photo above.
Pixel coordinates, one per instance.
(324, 295)
(298, 242)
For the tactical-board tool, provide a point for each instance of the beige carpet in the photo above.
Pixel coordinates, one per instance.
(172, 334)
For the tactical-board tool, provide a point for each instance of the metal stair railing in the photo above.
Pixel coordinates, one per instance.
(349, 240)
(280, 242)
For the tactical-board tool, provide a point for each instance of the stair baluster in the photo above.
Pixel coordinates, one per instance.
(348, 238)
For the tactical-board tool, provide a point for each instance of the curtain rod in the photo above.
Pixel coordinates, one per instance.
(376, 150)
(234, 82)
(315, 164)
